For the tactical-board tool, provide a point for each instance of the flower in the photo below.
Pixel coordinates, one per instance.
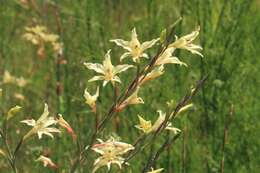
(147, 127)
(155, 171)
(110, 151)
(132, 99)
(38, 35)
(167, 58)
(19, 96)
(173, 129)
(21, 82)
(65, 124)
(91, 99)
(156, 72)
(8, 78)
(144, 125)
(46, 162)
(134, 47)
(41, 126)
(107, 70)
(13, 111)
(185, 42)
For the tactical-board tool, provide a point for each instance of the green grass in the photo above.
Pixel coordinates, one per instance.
(229, 36)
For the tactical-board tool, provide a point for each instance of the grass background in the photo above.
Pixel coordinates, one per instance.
(230, 37)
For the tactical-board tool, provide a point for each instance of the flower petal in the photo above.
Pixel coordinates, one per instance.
(116, 79)
(149, 44)
(44, 114)
(122, 43)
(95, 66)
(31, 122)
(121, 68)
(134, 35)
(125, 55)
(95, 78)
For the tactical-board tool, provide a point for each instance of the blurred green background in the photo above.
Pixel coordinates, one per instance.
(230, 34)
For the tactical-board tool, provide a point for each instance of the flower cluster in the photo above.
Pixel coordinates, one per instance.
(10, 79)
(39, 36)
(111, 151)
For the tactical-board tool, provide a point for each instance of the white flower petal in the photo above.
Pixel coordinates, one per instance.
(31, 122)
(125, 55)
(145, 55)
(95, 78)
(44, 114)
(134, 34)
(95, 66)
(122, 43)
(148, 44)
(116, 79)
(121, 68)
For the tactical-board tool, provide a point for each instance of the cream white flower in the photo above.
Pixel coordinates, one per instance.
(144, 125)
(107, 70)
(46, 162)
(131, 100)
(185, 42)
(110, 151)
(167, 58)
(19, 96)
(156, 171)
(21, 82)
(156, 72)
(41, 126)
(8, 78)
(39, 36)
(66, 125)
(147, 127)
(134, 47)
(91, 99)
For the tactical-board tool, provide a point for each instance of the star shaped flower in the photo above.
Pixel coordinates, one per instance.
(134, 47)
(110, 151)
(107, 70)
(41, 126)
(147, 127)
(185, 42)
(144, 125)
(167, 58)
